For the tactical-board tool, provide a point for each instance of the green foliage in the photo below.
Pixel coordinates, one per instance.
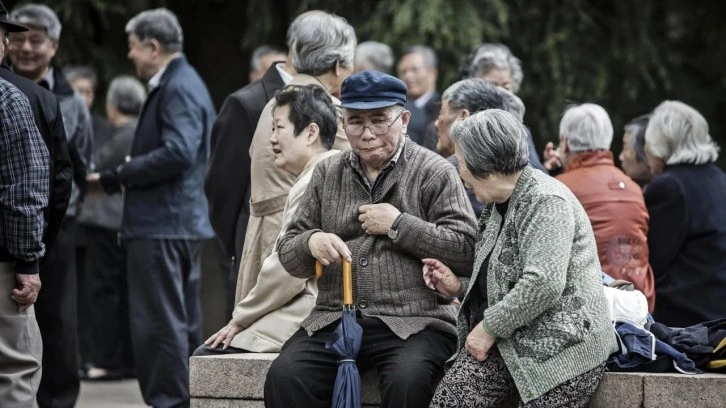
(626, 56)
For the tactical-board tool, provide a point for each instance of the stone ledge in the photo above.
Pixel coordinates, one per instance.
(237, 381)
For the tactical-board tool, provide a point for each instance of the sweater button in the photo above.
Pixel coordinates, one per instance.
(363, 262)
(621, 185)
(362, 304)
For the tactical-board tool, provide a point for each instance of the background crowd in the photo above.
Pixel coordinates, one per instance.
(653, 222)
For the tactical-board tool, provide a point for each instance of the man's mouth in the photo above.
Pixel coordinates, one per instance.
(276, 151)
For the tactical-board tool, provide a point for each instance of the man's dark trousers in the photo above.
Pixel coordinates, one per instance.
(106, 264)
(165, 314)
(304, 373)
(56, 311)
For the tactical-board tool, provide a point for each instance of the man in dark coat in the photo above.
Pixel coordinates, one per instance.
(49, 122)
(228, 176)
(165, 218)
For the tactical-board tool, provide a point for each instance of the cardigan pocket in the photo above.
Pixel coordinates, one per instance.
(563, 326)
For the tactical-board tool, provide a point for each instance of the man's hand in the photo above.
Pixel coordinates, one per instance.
(328, 248)
(439, 277)
(376, 219)
(94, 186)
(27, 292)
(551, 157)
(479, 342)
(224, 335)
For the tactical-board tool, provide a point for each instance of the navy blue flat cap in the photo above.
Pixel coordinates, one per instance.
(372, 90)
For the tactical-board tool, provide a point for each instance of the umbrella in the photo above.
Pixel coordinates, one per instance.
(346, 341)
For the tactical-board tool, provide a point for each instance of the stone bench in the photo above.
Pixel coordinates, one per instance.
(237, 380)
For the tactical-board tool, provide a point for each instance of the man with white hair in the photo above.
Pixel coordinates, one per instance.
(32, 53)
(165, 213)
(613, 202)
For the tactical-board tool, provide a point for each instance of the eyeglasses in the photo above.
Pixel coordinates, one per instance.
(357, 129)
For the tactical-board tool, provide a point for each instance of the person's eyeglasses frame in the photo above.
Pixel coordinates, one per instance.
(372, 125)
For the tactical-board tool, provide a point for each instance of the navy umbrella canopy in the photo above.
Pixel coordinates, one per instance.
(346, 341)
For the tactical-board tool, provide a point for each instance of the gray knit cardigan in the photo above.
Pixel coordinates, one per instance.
(546, 303)
(438, 222)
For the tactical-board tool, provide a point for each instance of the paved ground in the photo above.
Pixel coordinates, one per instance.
(112, 394)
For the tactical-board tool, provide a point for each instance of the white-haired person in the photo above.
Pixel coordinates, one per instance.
(685, 199)
(533, 321)
(612, 200)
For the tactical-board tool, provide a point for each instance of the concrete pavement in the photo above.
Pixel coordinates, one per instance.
(110, 394)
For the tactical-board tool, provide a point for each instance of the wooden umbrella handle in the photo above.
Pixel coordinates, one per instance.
(347, 279)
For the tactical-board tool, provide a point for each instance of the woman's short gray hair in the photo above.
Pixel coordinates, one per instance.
(491, 141)
(158, 24)
(677, 134)
(126, 94)
(487, 56)
(38, 16)
(320, 40)
(586, 127)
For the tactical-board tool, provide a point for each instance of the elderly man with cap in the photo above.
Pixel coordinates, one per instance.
(383, 206)
(24, 187)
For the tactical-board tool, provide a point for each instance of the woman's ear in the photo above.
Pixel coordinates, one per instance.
(313, 132)
(463, 114)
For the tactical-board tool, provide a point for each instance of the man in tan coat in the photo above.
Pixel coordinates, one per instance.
(323, 63)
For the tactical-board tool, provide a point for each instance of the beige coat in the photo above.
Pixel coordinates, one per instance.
(278, 302)
(269, 189)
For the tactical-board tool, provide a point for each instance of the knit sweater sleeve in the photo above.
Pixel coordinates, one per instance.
(448, 231)
(545, 234)
(292, 246)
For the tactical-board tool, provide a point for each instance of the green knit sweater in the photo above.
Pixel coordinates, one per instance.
(546, 302)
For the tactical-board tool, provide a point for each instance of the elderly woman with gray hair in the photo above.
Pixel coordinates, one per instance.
(533, 319)
(685, 199)
(105, 260)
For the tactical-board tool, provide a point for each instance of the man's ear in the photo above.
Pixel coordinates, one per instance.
(155, 46)
(405, 118)
(464, 113)
(313, 134)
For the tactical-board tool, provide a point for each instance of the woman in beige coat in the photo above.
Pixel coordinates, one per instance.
(304, 126)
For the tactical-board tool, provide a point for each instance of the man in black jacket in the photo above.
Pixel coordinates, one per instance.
(31, 54)
(49, 122)
(228, 176)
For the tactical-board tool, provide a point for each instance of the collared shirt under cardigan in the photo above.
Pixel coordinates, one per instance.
(546, 308)
(438, 222)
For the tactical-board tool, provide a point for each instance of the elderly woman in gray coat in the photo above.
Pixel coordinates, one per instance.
(533, 319)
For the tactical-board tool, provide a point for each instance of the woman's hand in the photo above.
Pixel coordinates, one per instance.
(479, 342)
(438, 276)
(224, 335)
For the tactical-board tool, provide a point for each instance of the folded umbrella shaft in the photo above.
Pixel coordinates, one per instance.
(346, 342)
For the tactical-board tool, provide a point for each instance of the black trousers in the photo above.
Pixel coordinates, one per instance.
(109, 295)
(304, 373)
(56, 311)
(163, 278)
